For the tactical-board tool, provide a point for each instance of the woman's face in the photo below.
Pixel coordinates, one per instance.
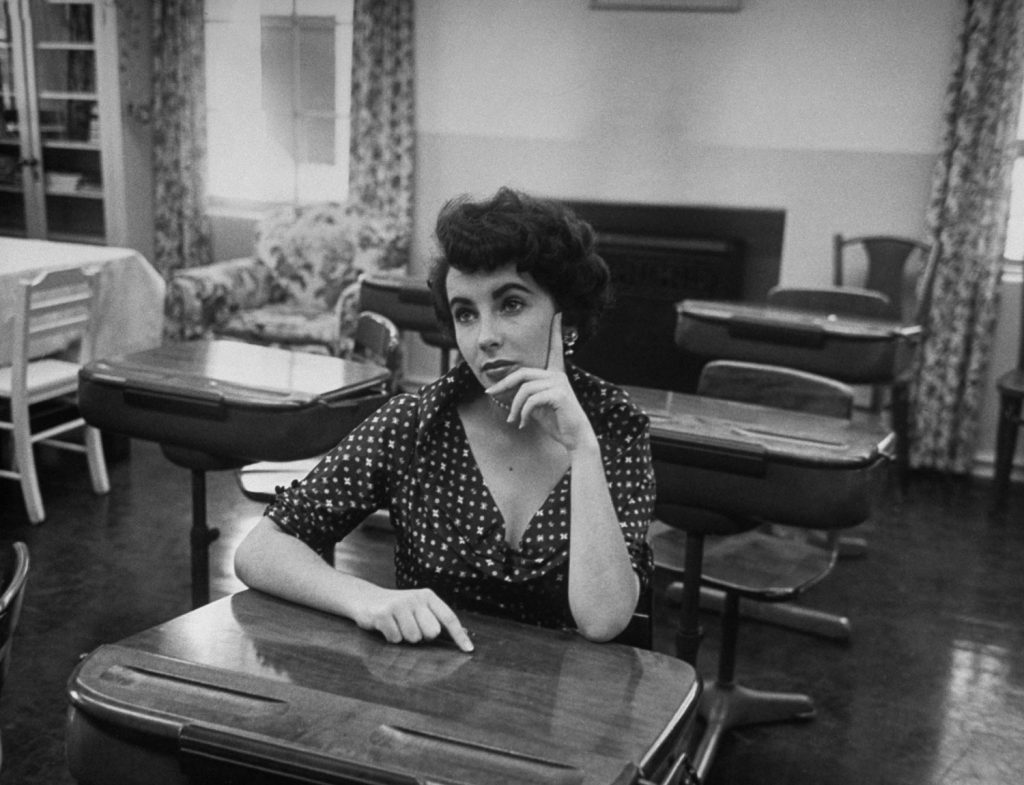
(502, 321)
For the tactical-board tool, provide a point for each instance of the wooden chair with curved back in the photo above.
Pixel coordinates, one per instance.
(14, 564)
(888, 264)
(750, 561)
(376, 340)
(409, 304)
(54, 311)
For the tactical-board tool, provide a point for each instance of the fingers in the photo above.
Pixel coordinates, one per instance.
(421, 616)
(556, 351)
(529, 396)
(409, 625)
(446, 616)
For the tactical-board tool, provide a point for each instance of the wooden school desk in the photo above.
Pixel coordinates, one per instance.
(745, 460)
(251, 685)
(854, 350)
(851, 349)
(222, 404)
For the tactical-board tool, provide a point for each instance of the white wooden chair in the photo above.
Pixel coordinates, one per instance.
(54, 310)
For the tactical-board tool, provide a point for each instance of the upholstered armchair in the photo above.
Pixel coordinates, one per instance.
(300, 286)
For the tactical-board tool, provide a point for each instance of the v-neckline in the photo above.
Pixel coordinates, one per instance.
(528, 525)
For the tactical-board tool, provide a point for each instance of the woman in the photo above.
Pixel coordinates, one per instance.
(518, 484)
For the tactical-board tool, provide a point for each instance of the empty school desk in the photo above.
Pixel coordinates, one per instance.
(222, 404)
(851, 349)
(250, 685)
(854, 350)
(744, 460)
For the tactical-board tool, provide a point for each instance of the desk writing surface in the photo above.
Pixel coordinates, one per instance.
(746, 460)
(247, 371)
(835, 324)
(855, 350)
(783, 435)
(231, 399)
(129, 307)
(527, 706)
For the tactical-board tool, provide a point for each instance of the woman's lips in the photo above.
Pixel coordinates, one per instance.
(496, 371)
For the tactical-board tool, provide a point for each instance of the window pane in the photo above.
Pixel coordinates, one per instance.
(278, 99)
(1015, 226)
(316, 66)
(317, 140)
(277, 54)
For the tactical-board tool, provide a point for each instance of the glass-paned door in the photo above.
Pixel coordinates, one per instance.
(15, 150)
(67, 113)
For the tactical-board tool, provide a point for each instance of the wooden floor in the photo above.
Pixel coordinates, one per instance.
(930, 689)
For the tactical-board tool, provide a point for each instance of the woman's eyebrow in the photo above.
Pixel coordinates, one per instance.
(501, 291)
(497, 294)
(459, 301)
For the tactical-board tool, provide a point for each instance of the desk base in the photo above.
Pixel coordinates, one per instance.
(201, 535)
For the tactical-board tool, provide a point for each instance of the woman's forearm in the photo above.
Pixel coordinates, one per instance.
(279, 564)
(272, 561)
(603, 588)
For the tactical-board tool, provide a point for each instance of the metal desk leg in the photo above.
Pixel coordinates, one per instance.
(688, 637)
(201, 537)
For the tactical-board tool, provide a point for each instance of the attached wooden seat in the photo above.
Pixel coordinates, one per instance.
(751, 561)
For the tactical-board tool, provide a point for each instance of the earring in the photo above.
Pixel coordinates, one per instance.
(569, 339)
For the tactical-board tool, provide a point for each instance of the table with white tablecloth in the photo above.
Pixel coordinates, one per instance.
(129, 310)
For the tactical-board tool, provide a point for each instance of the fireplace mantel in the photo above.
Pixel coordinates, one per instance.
(659, 255)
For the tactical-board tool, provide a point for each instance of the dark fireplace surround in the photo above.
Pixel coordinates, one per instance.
(659, 255)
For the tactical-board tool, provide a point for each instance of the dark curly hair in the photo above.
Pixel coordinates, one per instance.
(540, 236)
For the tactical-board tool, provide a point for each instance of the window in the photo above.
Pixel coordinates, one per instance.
(278, 76)
(1015, 226)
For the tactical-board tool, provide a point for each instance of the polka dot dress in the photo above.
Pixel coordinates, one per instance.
(412, 457)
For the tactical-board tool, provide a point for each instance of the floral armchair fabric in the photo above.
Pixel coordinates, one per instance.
(300, 287)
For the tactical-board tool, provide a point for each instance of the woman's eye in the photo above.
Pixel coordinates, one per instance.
(512, 305)
(462, 315)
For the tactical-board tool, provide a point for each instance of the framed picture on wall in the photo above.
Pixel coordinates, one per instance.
(667, 5)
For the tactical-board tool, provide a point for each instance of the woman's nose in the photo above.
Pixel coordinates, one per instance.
(488, 334)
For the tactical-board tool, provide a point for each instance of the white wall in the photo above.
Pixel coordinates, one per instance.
(828, 109)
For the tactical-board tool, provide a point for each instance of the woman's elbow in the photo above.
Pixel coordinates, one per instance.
(604, 622)
(602, 630)
(244, 564)
(251, 554)
(604, 627)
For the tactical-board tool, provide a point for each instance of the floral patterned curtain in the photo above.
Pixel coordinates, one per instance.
(179, 138)
(383, 135)
(966, 222)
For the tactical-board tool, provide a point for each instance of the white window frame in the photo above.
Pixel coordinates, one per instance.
(1013, 251)
(245, 172)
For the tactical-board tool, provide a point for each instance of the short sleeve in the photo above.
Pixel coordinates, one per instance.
(630, 474)
(353, 480)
